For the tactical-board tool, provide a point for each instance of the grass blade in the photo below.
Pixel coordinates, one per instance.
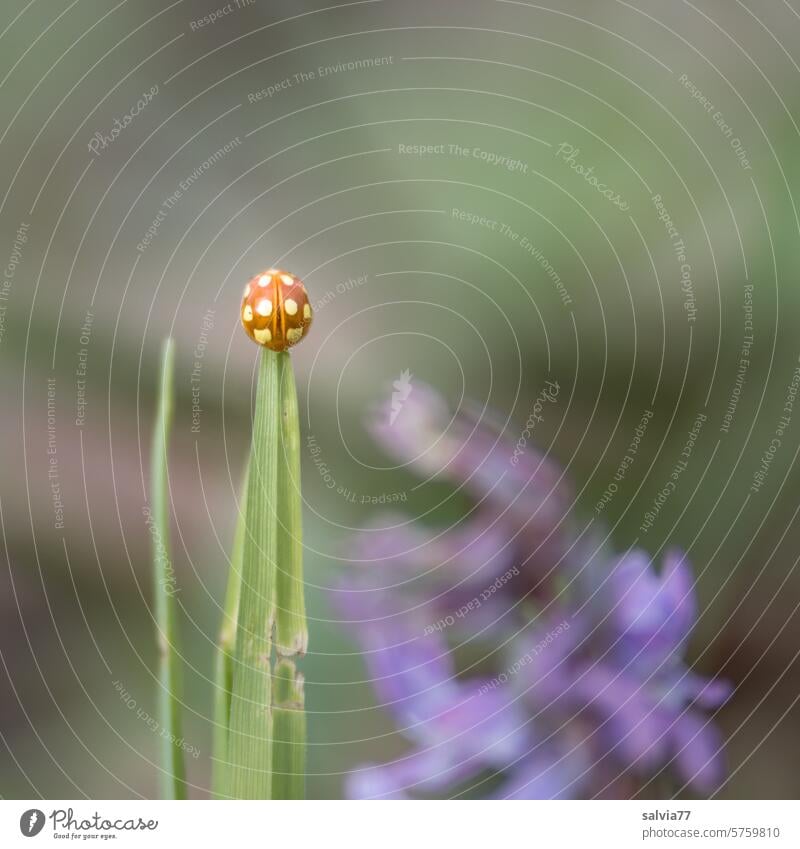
(250, 735)
(223, 666)
(173, 776)
(291, 631)
(289, 730)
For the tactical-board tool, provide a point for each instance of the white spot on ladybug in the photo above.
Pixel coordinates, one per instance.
(294, 334)
(247, 291)
(264, 280)
(288, 280)
(247, 313)
(263, 336)
(290, 306)
(306, 311)
(264, 306)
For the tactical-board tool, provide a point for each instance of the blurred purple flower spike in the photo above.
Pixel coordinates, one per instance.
(575, 685)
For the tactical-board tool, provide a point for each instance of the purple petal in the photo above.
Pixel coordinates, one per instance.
(698, 752)
(528, 489)
(413, 675)
(550, 774)
(419, 432)
(469, 734)
(470, 553)
(428, 771)
(634, 727)
(653, 614)
(708, 693)
(678, 592)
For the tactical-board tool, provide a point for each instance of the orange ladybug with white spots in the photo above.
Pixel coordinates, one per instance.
(276, 312)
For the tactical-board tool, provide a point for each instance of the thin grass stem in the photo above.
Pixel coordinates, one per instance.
(170, 690)
(223, 665)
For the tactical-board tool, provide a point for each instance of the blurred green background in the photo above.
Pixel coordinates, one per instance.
(426, 193)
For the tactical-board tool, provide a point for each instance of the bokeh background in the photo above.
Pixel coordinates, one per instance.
(244, 154)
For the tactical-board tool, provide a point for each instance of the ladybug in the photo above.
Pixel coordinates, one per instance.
(275, 309)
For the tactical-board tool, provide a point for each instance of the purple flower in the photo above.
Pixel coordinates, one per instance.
(520, 657)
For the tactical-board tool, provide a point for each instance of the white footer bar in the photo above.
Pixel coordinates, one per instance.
(402, 825)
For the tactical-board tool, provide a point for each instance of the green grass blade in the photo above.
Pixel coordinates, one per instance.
(291, 631)
(173, 776)
(223, 666)
(289, 731)
(250, 735)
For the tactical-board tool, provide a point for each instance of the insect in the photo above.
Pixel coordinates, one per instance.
(275, 309)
